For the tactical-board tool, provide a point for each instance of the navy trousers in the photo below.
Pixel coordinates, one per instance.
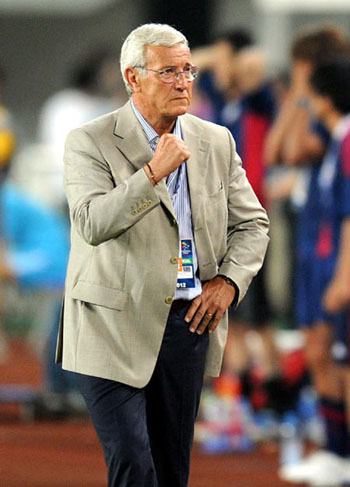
(147, 434)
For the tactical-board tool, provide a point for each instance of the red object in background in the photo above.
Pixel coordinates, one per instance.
(325, 241)
(278, 392)
(227, 385)
(293, 367)
(255, 128)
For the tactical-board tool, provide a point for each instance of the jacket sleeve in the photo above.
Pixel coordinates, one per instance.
(247, 232)
(101, 209)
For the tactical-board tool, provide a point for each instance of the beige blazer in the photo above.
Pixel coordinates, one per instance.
(122, 268)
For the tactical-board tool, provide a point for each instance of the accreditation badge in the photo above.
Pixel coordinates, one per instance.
(185, 276)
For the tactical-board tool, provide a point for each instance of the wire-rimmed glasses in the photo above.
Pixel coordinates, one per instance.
(170, 74)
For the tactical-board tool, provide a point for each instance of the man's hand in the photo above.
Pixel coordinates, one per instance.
(301, 72)
(208, 308)
(170, 153)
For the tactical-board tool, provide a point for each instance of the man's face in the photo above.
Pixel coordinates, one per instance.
(164, 101)
(225, 65)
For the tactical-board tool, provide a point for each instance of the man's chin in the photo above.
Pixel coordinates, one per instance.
(181, 109)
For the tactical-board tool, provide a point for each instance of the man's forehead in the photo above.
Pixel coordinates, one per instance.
(164, 53)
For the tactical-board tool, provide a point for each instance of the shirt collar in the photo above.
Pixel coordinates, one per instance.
(149, 131)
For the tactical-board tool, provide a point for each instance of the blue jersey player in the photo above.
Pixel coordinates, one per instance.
(324, 292)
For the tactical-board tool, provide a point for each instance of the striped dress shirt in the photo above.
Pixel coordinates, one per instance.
(177, 185)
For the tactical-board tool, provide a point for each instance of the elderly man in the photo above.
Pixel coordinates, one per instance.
(166, 234)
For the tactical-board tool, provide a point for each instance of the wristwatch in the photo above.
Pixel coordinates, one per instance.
(234, 285)
(228, 280)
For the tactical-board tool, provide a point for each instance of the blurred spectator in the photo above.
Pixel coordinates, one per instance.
(36, 247)
(294, 137)
(218, 81)
(279, 182)
(95, 88)
(7, 148)
(234, 75)
(35, 255)
(329, 272)
(297, 137)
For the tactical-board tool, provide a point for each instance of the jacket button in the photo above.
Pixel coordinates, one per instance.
(149, 202)
(134, 212)
(169, 300)
(174, 260)
(139, 209)
(145, 206)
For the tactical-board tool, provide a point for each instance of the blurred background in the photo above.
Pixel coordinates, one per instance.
(41, 40)
(59, 67)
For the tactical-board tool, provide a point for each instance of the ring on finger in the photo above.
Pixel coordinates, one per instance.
(209, 314)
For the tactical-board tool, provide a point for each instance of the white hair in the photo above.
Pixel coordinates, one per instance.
(133, 52)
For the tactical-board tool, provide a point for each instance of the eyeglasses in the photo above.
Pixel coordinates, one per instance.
(169, 75)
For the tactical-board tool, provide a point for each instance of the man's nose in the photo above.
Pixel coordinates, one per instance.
(181, 79)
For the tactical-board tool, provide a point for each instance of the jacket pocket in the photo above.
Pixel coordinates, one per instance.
(100, 295)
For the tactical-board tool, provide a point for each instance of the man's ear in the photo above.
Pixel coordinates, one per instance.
(133, 78)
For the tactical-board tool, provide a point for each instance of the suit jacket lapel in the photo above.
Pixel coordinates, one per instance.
(131, 140)
(133, 144)
(196, 167)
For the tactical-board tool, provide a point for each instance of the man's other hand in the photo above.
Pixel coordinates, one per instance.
(207, 309)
